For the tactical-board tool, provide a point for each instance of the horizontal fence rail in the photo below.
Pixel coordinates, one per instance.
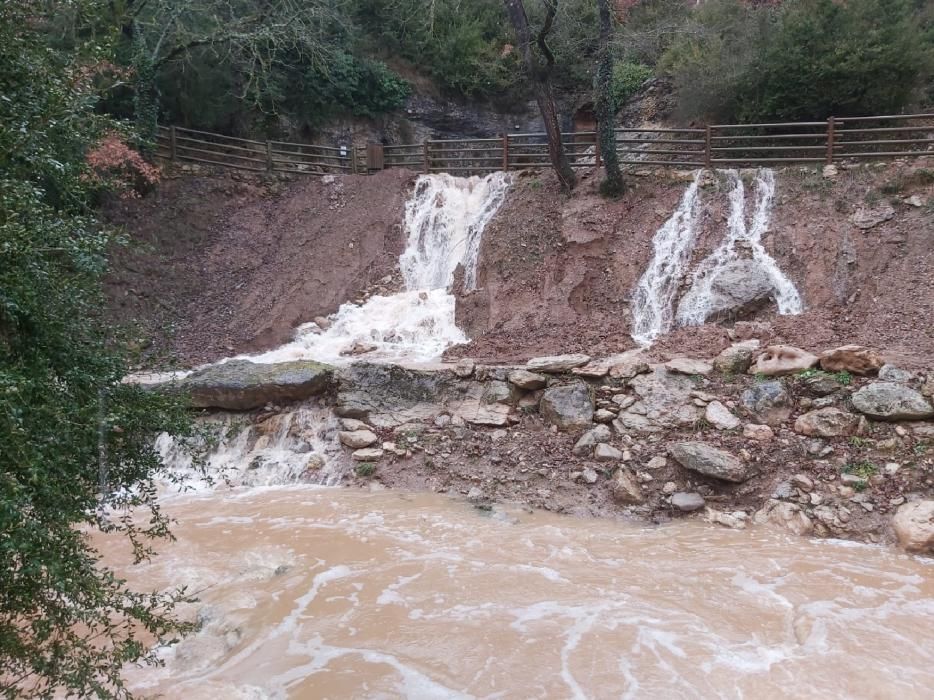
(714, 146)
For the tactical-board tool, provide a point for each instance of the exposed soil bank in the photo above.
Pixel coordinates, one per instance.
(230, 263)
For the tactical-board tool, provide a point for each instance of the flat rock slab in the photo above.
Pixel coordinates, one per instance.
(241, 385)
(709, 461)
(568, 406)
(827, 422)
(689, 366)
(528, 380)
(557, 363)
(854, 359)
(779, 360)
(891, 401)
(687, 502)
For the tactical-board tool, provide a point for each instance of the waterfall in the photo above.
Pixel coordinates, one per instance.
(653, 301)
(698, 302)
(444, 219)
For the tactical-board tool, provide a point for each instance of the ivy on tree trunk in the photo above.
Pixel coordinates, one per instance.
(612, 185)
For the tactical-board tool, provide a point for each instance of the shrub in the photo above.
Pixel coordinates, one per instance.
(628, 77)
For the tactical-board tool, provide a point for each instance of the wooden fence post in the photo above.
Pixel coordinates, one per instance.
(505, 151)
(830, 139)
(425, 156)
(268, 155)
(172, 148)
(596, 147)
(707, 154)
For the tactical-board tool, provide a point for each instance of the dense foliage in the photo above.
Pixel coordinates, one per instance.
(76, 445)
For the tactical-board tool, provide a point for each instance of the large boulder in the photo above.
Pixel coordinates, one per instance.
(788, 516)
(914, 527)
(739, 288)
(557, 363)
(736, 358)
(568, 406)
(891, 401)
(689, 366)
(585, 445)
(719, 416)
(664, 401)
(709, 461)
(827, 422)
(241, 385)
(779, 360)
(854, 359)
(767, 402)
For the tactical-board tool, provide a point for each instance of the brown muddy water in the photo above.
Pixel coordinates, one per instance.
(311, 592)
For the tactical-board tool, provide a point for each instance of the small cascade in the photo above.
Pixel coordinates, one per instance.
(653, 301)
(444, 218)
(297, 446)
(697, 304)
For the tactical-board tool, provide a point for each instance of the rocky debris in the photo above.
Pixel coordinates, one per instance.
(477, 496)
(709, 461)
(657, 462)
(322, 322)
(914, 527)
(664, 401)
(687, 502)
(735, 520)
(866, 218)
(585, 445)
(607, 453)
(494, 415)
(686, 365)
(240, 385)
(767, 402)
(593, 370)
(529, 381)
(356, 439)
(351, 424)
(891, 401)
(568, 406)
(589, 475)
(890, 373)
(602, 415)
(368, 454)
(754, 431)
(737, 358)
(628, 364)
(625, 488)
(557, 363)
(927, 389)
(788, 516)
(499, 392)
(358, 348)
(854, 359)
(719, 416)
(803, 482)
(820, 385)
(464, 368)
(779, 360)
(827, 422)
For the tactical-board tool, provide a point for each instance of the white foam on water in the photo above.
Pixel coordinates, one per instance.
(444, 220)
(695, 306)
(653, 301)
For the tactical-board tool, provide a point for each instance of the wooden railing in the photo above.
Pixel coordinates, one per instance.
(714, 146)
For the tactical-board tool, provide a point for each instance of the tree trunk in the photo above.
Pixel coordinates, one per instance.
(541, 79)
(612, 185)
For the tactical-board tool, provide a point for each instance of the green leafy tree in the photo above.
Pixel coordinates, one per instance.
(76, 445)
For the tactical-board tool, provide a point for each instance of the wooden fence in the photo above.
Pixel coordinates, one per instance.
(714, 146)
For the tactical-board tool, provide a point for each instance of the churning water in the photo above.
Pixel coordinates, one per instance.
(320, 593)
(444, 220)
(654, 302)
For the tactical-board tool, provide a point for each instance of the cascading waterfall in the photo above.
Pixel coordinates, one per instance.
(444, 219)
(696, 304)
(653, 302)
(653, 305)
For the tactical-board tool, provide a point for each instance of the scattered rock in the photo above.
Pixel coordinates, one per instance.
(768, 402)
(584, 447)
(737, 358)
(779, 360)
(477, 496)
(820, 385)
(927, 389)
(663, 402)
(914, 527)
(589, 475)
(890, 401)
(368, 454)
(627, 365)
(527, 380)
(788, 516)
(762, 433)
(709, 461)
(353, 424)
(669, 488)
(803, 482)
(625, 488)
(568, 406)
(686, 365)
(890, 373)
(687, 502)
(866, 218)
(607, 453)
(603, 416)
(735, 520)
(496, 415)
(355, 439)
(240, 385)
(657, 462)
(827, 422)
(557, 363)
(322, 322)
(852, 480)
(464, 368)
(498, 392)
(719, 416)
(854, 359)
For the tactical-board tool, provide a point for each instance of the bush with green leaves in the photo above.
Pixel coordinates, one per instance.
(628, 77)
(77, 447)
